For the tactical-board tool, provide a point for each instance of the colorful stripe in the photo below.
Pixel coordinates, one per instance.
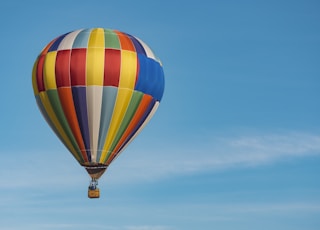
(97, 88)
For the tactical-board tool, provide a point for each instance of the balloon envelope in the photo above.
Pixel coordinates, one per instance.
(97, 88)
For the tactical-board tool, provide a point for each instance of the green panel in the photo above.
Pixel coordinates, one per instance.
(51, 124)
(111, 39)
(58, 110)
(134, 103)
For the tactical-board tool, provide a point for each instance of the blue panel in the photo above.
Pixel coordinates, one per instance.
(108, 101)
(139, 48)
(150, 77)
(82, 39)
(56, 44)
(159, 86)
(80, 103)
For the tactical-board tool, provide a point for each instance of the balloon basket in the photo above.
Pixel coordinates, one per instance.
(93, 193)
(93, 190)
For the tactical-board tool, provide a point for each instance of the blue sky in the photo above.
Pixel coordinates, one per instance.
(235, 143)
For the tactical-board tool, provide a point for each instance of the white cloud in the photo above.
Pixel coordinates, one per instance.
(94, 226)
(137, 164)
(146, 227)
(274, 207)
(220, 154)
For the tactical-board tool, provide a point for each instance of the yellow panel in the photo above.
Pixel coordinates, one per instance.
(95, 58)
(154, 109)
(128, 70)
(96, 39)
(49, 70)
(53, 118)
(120, 108)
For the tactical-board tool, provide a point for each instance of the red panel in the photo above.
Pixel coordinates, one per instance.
(63, 68)
(112, 67)
(78, 67)
(39, 74)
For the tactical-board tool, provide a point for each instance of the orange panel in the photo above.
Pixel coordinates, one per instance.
(125, 41)
(144, 103)
(66, 100)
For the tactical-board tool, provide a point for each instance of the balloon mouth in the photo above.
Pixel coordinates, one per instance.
(95, 170)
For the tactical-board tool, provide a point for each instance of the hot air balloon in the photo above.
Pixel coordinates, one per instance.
(97, 88)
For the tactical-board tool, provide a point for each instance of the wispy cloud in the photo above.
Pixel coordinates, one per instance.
(146, 227)
(273, 207)
(100, 226)
(94, 226)
(220, 153)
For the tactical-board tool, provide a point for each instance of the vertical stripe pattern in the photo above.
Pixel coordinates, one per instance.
(97, 88)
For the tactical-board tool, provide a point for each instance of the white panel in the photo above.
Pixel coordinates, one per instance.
(149, 52)
(94, 102)
(68, 40)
